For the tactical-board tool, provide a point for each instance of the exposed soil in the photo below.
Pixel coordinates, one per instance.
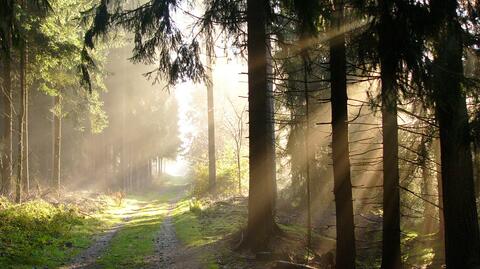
(170, 253)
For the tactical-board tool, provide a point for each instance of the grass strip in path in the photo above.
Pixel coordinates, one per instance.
(134, 243)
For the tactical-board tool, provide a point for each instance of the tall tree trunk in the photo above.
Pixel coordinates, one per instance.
(57, 140)
(391, 255)
(391, 194)
(7, 96)
(27, 142)
(21, 184)
(161, 166)
(123, 147)
(345, 257)
(271, 122)
(94, 159)
(211, 125)
(462, 237)
(238, 151)
(239, 171)
(427, 190)
(23, 70)
(105, 160)
(306, 142)
(150, 173)
(261, 223)
(130, 157)
(476, 169)
(441, 217)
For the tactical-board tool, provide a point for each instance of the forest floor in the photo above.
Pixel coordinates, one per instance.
(165, 228)
(143, 238)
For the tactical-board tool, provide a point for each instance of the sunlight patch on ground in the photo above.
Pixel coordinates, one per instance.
(135, 241)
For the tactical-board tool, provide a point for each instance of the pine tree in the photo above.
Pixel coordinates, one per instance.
(345, 256)
(261, 223)
(389, 60)
(57, 141)
(462, 237)
(6, 32)
(212, 173)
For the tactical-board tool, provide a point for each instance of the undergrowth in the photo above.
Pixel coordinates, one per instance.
(41, 234)
(202, 224)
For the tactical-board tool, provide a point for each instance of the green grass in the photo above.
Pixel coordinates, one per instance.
(198, 226)
(187, 225)
(134, 242)
(39, 234)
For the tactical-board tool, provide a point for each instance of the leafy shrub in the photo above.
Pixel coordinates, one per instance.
(225, 180)
(227, 177)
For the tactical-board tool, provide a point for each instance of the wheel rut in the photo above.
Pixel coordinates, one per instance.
(171, 253)
(87, 259)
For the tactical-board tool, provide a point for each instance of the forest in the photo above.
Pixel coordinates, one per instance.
(239, 134)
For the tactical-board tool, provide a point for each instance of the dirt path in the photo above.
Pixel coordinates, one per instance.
(87, 258)
(170, 253)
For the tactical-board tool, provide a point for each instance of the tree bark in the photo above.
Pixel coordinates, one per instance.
(27, 142)
(123, 147)
(476, 169)
(345, 227)
(21, 184)
(24, 86)
(106, 161)
(391, 252)
(150, 167)
(57, 141)
(261, 223)
(441, 217)
(391, 194)
(306, 142)
(23, 68)
(271, 122)
(462, 237)
(7, 170)
(211, 126)
(427, 190)
(239, 175)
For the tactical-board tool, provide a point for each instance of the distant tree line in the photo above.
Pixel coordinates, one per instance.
(59, 131)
